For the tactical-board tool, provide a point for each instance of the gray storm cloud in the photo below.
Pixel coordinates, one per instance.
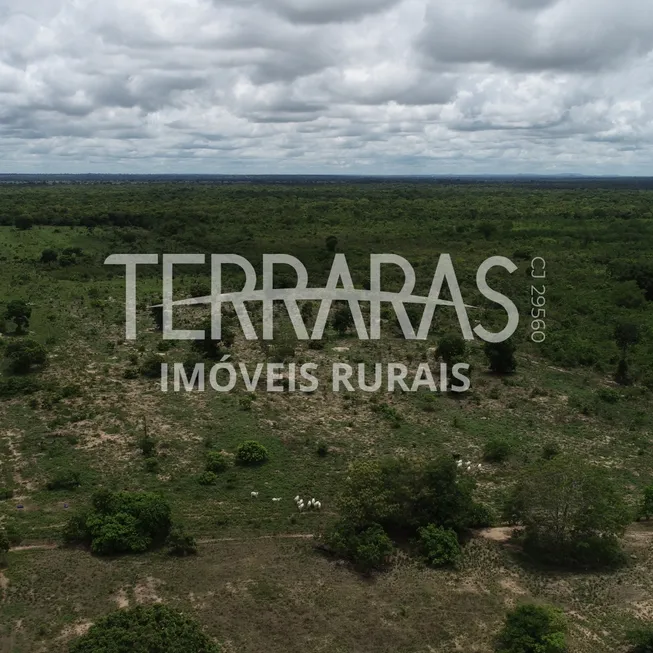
(364, 86)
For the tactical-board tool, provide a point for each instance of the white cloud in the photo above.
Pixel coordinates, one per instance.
(391, 86)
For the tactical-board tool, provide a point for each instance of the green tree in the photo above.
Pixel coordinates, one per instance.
(452, 349)
(5, 545)
(571, 513)
(180, 543)
(439, 546)
(19, 312)
(501, 357)
(342, 319)
(626, 335)
(647, 502)
(251, 452)
(216, 462)
(533, 629)
(23, 355)
(153, 629)
(49, 256)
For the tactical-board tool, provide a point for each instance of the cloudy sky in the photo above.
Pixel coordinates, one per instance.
(327, 86)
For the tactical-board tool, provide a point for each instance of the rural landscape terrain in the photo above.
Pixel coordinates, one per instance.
(322, 521)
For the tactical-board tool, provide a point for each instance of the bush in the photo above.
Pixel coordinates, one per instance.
(216, 462)
(647, 502)
(147, 445)
(18, 386)
(6, 493)
(641, 639)
(68, 480)
(322, 449)
(452, 349)
(342, 318)
(251, 453)
(533, 629)
(19, 312)
(121, 522)
(439, 546)
(151, 367)
(151, 629)
(181, 543)
(368, 548)
(207, 478)
(152, 465)
(48, 256)
(23, 355)
(331, 243)
(550, 450)
(571, 513)
(497, 450)
(501, 357)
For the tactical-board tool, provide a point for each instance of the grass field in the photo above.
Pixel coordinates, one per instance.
(253, 585)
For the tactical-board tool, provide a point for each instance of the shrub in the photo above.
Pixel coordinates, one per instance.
(48, 256)
(342, 319)
(331, 243)
(497, 450)
(6, 493)
(647, 502)
(19, 312)
(571, 513)
(69, 480)
(533, 629)
(216, 462)
(622, 375)
(452, 349)
(322, 449)
(500, 357)
(144, 630)
(152, 465)
(147, 445)
(251, 453)
(641, 639)
(151, 367)
(23, 355)
(207, 478)
(121, 522)
(181, 543)
(130, 373)
(18, 386)
(368, 548)
(550, 450)
(439, 546)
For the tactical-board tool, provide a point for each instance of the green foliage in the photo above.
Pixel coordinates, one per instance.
(331, 243)
(571, 513)
(622, 375)
(251, 453)
(368, 547)
(49, 256)
(216, 462)
(322, 449)
(342, 319)
(66, 480)
(641, 639)
(15, 386)
(147, 444)
(626, 334)
(501, 356)
(6, 493)
(152, 466)
(180, 543)
(151, 367)
(23, 355)
(152, 629)
(402, 496)
(452, 349)
(121, 522)
(647, 503)
(207, 478)
(533, 629)
(439, 546)
(19, 312)
(497, 449)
